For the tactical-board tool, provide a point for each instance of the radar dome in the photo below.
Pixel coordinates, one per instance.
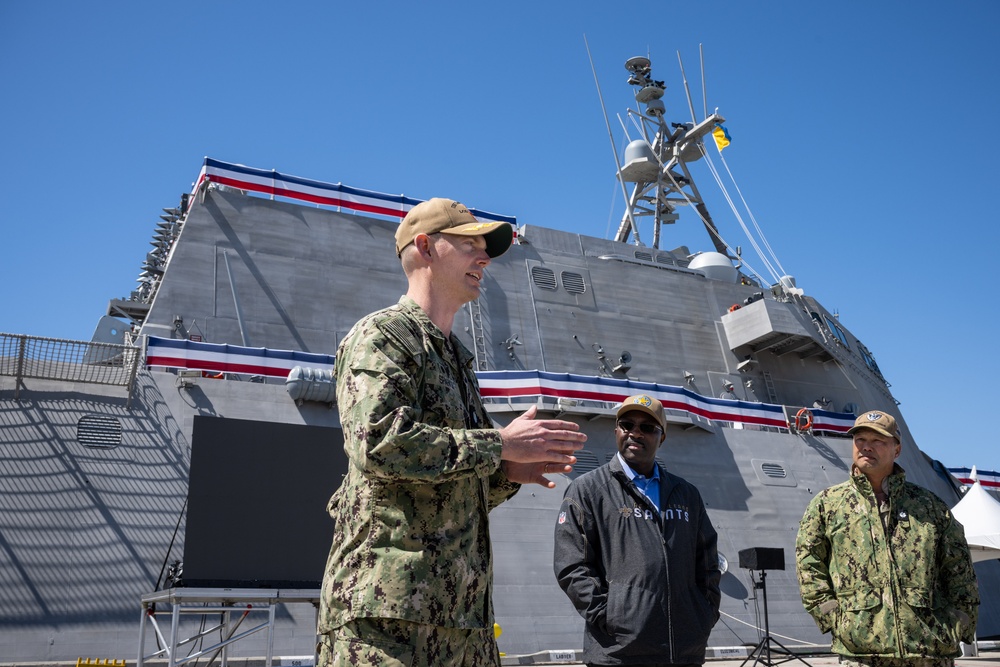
(715, 266)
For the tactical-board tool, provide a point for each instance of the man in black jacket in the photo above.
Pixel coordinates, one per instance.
(636, 553)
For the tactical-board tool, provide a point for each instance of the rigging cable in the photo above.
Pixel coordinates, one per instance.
(687, 199)
(746, 206)
(753, 241)
(641, 126)
(607, 123)
(718, 180)
(750, 213)
(677, 187)
(614, 197)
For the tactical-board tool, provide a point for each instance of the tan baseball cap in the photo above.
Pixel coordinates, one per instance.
(644, 403)
(877, 421)
(450, 217)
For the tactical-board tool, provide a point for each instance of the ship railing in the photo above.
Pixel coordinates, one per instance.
(34, 357)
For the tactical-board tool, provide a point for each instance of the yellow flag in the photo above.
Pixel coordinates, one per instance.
(722, 138)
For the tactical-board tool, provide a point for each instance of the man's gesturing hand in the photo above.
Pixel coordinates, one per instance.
(530, 440)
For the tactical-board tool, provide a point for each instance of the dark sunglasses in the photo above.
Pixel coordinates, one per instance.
(648, 429)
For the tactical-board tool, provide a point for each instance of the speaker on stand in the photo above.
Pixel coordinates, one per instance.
(764, 559)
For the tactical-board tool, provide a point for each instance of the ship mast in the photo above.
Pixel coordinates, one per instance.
(656, 164)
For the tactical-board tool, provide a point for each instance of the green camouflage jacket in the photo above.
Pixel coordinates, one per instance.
(907, 591)
(411, 539)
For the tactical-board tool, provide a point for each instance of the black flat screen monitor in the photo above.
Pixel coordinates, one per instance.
(257, 496)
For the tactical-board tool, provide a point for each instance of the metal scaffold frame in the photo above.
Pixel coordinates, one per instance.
(234, 604)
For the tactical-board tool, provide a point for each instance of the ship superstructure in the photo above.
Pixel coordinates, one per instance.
(192, 446)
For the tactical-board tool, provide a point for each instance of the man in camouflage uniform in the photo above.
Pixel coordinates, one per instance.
(409, 577)
(883, 565)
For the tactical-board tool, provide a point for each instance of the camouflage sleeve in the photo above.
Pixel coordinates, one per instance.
(958, 579)
(393, 432)
(577, 560)
(501, 488)
(812, 564)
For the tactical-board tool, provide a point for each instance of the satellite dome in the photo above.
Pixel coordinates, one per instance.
(715, 266)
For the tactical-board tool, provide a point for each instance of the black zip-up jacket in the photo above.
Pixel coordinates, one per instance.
(645, 582)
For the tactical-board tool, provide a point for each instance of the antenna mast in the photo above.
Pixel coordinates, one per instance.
(704, 84)
(658, 167)
(614, 151)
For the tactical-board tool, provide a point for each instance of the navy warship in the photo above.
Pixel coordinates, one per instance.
(164, 484)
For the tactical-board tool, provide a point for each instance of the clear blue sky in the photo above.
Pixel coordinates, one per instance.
(862, 139)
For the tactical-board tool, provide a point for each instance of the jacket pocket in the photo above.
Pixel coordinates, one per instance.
(700, 618)
(858, 620)
(635, 620)
(935, 631)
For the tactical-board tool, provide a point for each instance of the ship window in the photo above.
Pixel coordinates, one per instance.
(99, 431)
(664, 259)
(773, 470)
(573, 282)
(837, 331)
(644, 255)
(543, 277)
(869, 359)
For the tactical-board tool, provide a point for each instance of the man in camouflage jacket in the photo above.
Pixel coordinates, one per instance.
(883, 565)
(410, 570)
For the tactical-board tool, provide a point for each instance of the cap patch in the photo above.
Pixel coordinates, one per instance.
(877, 421)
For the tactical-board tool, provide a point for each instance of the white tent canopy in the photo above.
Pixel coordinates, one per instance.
(979, 514)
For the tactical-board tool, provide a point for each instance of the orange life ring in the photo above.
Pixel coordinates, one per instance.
(734, 307)
(803, 420)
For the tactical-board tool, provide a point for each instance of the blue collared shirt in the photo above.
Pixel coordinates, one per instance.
(648, 486)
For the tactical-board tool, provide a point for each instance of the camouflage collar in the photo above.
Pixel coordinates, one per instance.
(413, 310)
(894, 481)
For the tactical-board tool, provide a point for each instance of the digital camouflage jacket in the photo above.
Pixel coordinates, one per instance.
(411, 539)
(905, 591)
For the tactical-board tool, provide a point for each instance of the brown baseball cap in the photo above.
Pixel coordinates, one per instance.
(450, 217)
(644, 403)
(877, 421)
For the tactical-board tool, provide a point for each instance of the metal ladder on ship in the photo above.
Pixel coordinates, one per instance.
(478, 335)
(772, 396)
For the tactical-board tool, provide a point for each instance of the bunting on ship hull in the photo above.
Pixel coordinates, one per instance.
(335, 195)
(223, 358)
(493, 385)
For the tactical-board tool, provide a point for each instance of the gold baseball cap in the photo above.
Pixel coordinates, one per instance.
(450, 217)
(644, 403)
(877, 421)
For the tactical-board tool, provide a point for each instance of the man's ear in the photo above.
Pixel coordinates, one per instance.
(423, 243)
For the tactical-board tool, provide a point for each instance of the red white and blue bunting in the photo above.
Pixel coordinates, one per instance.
(511, 384)
(494, 385)
(223, 358)
(989, 479)
(336, 195)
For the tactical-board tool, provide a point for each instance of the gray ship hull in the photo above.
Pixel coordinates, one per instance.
(86, 532)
